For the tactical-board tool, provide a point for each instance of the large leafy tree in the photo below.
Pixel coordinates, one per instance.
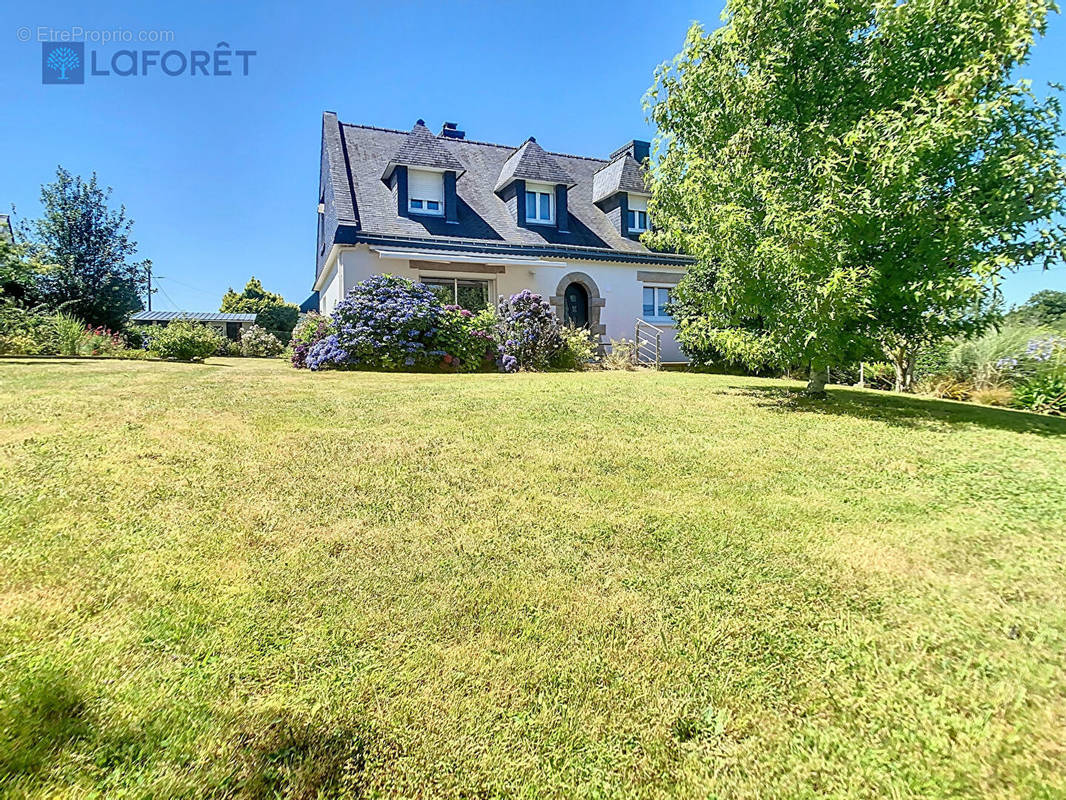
(270, 309)
(853, 175)
(87, 244)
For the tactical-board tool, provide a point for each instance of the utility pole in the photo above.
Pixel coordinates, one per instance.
(148, 268)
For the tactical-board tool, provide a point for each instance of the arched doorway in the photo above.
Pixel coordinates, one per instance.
(576, 306)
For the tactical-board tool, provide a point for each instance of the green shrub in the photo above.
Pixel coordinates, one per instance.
(25, 332)
(70, 334)
(257, 342)
(136, 336)
(228, 347)
(466, 339)
(576, 350)
(1043, 393)
(184, 340)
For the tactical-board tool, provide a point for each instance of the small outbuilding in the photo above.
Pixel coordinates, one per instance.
(227, 324)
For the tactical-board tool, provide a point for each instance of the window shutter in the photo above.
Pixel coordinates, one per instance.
(423, 185)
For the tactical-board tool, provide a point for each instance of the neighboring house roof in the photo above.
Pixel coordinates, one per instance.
(6, 232)
(621, 175)
(361, 206)
(420, 148)
(196, 316)
(310, 304)
(530, 163)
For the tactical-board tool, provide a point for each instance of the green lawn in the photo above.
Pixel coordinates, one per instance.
(237, 579)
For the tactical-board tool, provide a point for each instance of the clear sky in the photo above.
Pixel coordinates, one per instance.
(221, 173)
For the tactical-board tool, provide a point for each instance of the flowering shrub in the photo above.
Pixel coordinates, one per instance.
(576, 350)
(466, 338)
(257, 342)
(527, 332)
(327, 353)
(101, 341)
(310, 330)
(388, 322)
(184, 340)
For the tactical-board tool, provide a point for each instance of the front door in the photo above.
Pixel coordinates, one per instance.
(576, 306)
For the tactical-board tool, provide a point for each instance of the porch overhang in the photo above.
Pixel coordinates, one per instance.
(446, 257)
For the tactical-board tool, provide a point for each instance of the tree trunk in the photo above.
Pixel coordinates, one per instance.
(818, 379)
(903, 363)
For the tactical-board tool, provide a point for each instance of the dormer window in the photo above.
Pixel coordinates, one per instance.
(638, 213)
(425, 192)
(540, 203)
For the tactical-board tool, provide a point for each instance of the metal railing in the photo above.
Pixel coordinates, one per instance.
(647, 345)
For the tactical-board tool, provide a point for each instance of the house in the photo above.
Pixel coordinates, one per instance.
(476, 221)
(228, 325)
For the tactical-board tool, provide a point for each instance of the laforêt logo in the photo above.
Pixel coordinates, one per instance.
(62, 62)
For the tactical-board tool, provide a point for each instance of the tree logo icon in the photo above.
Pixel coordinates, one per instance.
(61, 59)
(63, 62)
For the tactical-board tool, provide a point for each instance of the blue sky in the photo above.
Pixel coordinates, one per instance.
(221, 173)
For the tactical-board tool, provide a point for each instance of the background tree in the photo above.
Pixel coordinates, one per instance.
(1047, 307)
(89, 248)
(854, 176)
(270, 309)
(18, 275)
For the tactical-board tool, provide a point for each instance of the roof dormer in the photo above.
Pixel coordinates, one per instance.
(621, 189)
(422, 174)
(534, 186)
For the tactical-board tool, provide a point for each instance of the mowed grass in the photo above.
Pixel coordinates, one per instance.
(240, 580)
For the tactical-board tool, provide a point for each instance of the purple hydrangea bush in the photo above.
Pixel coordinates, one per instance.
(527, 331)
(327, 353)
(388, 322)
(310, 330)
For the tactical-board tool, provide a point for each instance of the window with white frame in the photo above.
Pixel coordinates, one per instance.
(638, 213)
(425, 192)
(655, 300)
(540, 203)
(471, 294)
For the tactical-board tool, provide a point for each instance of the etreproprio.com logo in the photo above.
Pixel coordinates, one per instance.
(64, 63)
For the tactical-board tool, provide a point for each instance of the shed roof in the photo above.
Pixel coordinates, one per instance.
(195, 316)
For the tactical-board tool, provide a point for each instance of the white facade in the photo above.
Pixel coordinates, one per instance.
(615, 290)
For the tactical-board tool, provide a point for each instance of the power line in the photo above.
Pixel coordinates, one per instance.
(167, 296)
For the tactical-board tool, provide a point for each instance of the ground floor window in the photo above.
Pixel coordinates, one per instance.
(470, 294)
(655, 300)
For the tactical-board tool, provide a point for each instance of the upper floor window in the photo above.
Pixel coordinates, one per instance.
(638, 213)
(425, 192)
(655, 300)
(540, 203)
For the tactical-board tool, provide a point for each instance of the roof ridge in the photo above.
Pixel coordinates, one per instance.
(473, 141)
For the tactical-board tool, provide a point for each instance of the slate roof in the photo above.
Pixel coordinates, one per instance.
(420, 148)
(356, 155)
(621, 175)
(530, 163)
(196, 316)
